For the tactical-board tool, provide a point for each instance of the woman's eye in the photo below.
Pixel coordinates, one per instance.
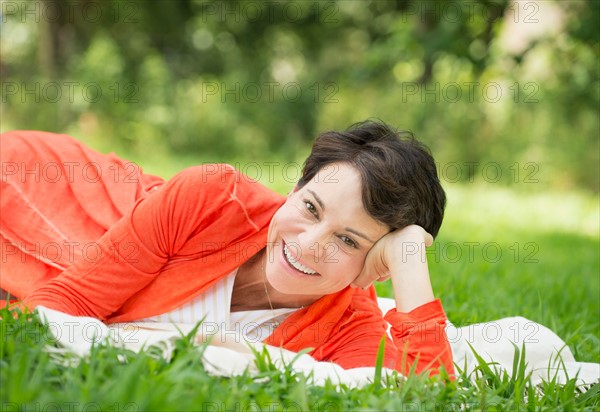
(348, 241)
(310, 207)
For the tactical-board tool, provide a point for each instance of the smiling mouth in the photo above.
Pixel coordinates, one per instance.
(294, 263)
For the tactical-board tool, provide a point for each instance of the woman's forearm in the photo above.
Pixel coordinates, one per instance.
(410, 275)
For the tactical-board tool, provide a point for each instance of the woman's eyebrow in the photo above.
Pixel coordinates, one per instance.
(357, 233)
(349, 229)
(317, 198)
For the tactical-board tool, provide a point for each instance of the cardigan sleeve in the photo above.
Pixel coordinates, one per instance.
(133, 251)
(420, 337)
(418, 341)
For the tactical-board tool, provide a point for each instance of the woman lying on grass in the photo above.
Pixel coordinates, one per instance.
(89, 235)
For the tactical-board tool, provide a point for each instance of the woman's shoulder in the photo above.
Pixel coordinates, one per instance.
(224, 180)
(217, 174)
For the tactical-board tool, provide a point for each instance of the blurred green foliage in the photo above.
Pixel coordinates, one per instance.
(501, 91)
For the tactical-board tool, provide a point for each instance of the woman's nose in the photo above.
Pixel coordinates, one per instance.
(312, 243)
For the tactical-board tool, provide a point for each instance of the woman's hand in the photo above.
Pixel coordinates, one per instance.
(400, 255)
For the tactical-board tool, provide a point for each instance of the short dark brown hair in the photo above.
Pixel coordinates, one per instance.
(400, 185)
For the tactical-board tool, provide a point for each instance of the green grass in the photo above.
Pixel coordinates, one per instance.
(117, 380)
(548, 272)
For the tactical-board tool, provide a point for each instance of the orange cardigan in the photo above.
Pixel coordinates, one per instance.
(174, 241)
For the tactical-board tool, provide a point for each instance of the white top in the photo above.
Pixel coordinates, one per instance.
(214, 306)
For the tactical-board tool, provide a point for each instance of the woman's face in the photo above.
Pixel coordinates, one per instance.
(319, 238)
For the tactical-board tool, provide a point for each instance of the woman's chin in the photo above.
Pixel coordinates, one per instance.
(287, 285)
(282, 285)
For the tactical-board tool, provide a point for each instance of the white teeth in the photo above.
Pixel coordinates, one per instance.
(295, 263)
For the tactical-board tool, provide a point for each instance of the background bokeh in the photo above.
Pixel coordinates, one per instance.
(501, 91)
(505, 93)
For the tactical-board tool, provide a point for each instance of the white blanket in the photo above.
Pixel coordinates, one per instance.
(547, 356)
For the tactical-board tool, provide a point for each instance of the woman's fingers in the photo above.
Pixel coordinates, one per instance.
(375, 268)
(384, 278)
(367, 280)
(363, 279)
(428, 238)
